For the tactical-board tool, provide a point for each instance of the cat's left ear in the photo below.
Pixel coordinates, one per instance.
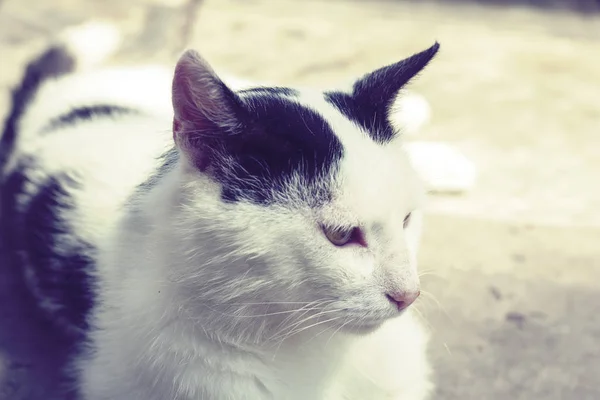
(374, 95)
(379, 88)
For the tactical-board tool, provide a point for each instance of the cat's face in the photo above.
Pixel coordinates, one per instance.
(345, 257)
(315, 208)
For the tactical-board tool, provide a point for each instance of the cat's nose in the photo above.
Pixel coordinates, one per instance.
(403, 299)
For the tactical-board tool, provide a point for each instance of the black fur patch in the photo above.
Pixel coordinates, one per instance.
(280, 138)
(40, 239)
(55, 62)
(373, 95)
(62, 261)
(376, 124)
(11, 219)
(87, 113)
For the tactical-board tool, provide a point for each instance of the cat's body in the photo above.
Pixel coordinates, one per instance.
(213, 269)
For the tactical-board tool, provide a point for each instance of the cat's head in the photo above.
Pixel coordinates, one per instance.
(296, 205)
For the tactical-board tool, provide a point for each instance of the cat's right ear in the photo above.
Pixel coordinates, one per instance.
(205, 108)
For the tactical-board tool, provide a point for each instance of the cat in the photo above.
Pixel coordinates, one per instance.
(228, 241)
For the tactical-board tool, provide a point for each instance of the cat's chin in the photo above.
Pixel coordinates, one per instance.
(363, 328)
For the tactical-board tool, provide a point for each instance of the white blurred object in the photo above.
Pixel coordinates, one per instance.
(442, 167)
(93, 42)
(410, 113)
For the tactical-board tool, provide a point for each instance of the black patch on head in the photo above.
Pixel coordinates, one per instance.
(54, 62)
(376, 124)
(87, 113)
(279, 138)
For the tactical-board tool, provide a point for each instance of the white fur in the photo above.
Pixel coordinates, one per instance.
(205, 300)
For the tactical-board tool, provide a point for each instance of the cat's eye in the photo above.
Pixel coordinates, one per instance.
(343, 236)
(407, 220)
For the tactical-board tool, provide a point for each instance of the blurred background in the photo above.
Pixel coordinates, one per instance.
(513, 266)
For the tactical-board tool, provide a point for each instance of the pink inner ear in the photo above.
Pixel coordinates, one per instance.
(198, 95)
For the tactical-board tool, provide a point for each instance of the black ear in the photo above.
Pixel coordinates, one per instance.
(380, 87)
(373, 94)
(205, 108)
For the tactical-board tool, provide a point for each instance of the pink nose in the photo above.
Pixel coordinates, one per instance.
(403, 299)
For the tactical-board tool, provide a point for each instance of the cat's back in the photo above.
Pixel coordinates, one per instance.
(75, 146)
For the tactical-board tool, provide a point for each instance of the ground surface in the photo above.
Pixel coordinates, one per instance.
(515, 265)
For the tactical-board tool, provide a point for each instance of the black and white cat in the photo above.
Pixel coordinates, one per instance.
(241, 243)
